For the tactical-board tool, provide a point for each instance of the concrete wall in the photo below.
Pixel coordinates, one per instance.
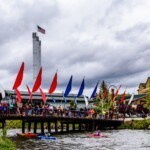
(36, 55)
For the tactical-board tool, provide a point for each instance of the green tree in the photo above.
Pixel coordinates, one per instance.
(73, 104)
(103, 92)
(103, 99)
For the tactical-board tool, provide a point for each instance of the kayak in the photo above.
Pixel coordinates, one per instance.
(27, 135)
(96, 136)
(42, 137)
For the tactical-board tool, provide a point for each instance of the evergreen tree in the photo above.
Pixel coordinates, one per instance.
(103, 92)
(103, 99)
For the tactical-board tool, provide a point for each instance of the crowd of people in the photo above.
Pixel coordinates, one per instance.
(30, 109)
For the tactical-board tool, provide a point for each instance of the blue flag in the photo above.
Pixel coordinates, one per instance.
(68, 89)
(94, 92)
(54, 100)
(81, 89)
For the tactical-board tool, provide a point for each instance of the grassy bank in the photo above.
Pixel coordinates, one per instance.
(6, 143)
(136, 124)
(13, 124)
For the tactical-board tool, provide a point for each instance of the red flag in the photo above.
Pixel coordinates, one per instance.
(53, 84)
(116, 94)
(18, 95)
(43, 96)
(30, 94)
(104, 93)
(38, 81)
(41, 29)
(19, 77)
(123, 97)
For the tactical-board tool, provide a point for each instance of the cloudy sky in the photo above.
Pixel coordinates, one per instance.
(99, 39)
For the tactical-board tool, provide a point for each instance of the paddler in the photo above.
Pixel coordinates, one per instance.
(98, 133)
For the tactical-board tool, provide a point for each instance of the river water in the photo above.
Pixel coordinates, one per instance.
(117, 140)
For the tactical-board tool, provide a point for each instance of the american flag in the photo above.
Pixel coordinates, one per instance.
(41, 29)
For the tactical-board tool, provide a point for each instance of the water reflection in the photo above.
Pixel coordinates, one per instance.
(117, 140)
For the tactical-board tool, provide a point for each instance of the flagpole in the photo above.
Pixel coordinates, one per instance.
(68, 89)
(124, 98)
(102, 107)
(75, 100)
(63, 98)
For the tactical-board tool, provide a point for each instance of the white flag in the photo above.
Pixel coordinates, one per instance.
(2, 91)
(131, 98)
(86, 101)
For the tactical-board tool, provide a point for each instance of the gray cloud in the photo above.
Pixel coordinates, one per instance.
(99, 40)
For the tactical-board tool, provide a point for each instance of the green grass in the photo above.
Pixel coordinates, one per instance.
(13, 124)
(136, 124)
(6, 144)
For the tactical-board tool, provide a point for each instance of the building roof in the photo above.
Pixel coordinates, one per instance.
(136, 97)
(142, 84)
(37, 96)
(10, 96)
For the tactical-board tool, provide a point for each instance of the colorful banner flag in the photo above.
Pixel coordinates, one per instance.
(94, 91)
(43, 96)
(30, 94)
(41, 29)
(123, 97)
(63, 98)
(131, 99)
(18, 96)
(75, 99)
(116, 94)
(38, 81)
(53, 84)
(19, 77)
(54, 100)
(69, 86)
(81, 89)
(86, 101)
(105, 92)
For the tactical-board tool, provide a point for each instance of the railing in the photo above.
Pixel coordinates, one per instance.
(33, 111)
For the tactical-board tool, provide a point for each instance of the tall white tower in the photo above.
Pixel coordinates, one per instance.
(36, 55)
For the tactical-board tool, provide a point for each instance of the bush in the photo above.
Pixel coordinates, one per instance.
(136, 124)
(14, 124)
(6, 144)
